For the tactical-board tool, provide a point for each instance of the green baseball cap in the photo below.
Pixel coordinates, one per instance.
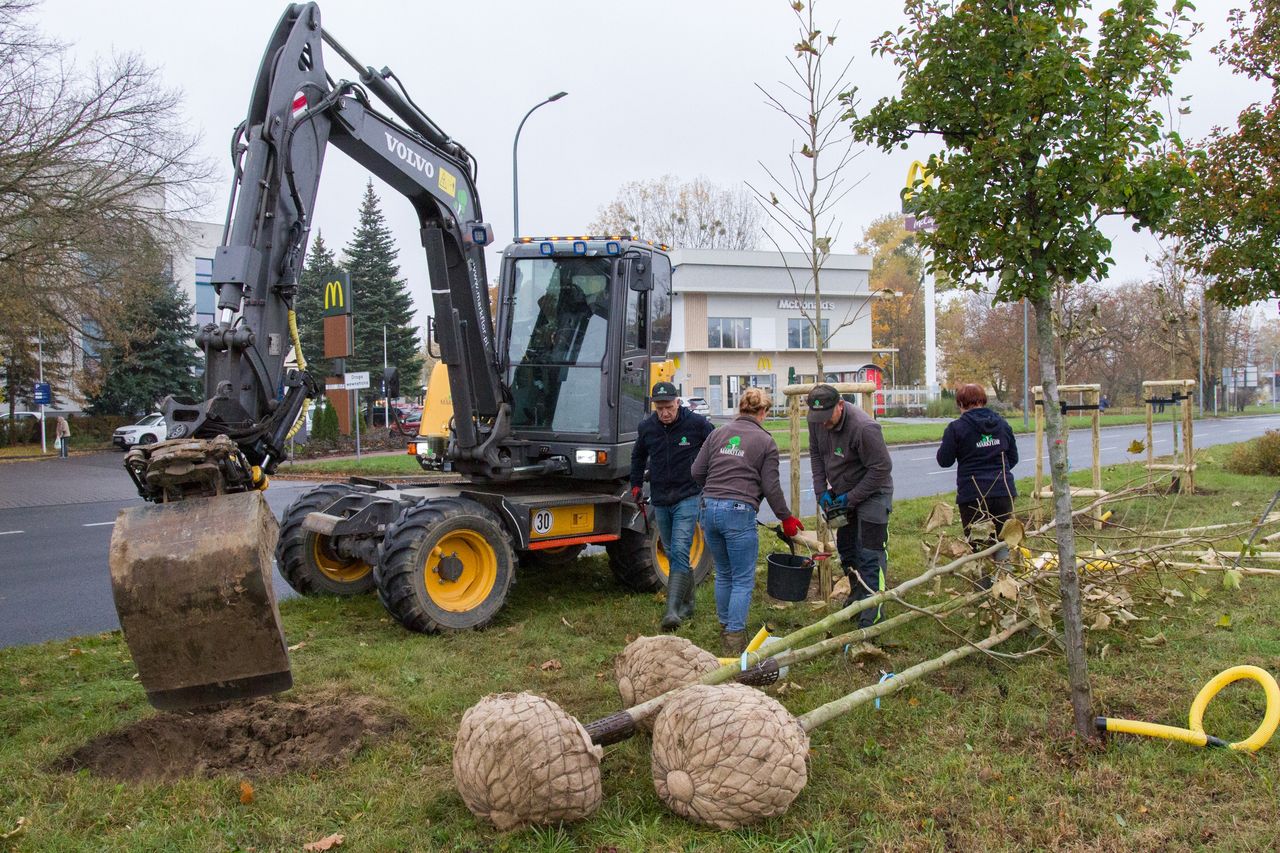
(822, 401)
(663, 391)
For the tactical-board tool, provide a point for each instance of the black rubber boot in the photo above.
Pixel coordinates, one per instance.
(677, 587)
(686, 603)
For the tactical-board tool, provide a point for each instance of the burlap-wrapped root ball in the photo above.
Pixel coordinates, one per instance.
(727, 755)
(650, 666)
(520, 760)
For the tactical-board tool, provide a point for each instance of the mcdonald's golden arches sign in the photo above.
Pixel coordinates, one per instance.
(337, 295)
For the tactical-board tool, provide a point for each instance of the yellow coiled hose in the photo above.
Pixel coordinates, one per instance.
(302, 365)
(1194, 734)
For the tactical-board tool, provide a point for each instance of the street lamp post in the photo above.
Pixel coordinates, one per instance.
(515, 162)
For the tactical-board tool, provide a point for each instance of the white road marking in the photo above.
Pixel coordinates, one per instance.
(10, 532)
(936, 473)
(1110, 447)
(99, 524)
(921, 458)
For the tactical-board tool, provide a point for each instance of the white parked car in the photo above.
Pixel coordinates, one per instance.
(698, 406)
(149, 430)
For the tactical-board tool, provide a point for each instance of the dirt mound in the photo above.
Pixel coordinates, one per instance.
(265, 737)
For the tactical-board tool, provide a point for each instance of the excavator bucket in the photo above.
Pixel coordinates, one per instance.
(192, 586)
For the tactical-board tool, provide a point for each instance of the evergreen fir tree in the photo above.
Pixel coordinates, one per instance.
(380, 297)
(152, 355)
(321, 267)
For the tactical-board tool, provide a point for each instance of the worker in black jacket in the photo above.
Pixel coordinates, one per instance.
(981, 445)
(669, 440)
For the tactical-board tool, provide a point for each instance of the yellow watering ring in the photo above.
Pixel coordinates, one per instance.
(1195, 734)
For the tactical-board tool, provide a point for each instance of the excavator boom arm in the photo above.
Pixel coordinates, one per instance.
(295, 112)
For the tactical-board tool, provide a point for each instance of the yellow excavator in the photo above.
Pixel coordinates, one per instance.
(544, 404)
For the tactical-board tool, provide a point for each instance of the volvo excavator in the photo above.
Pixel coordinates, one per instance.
(545, 398)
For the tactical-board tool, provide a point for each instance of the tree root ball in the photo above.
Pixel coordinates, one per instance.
(650, 666)
(520, 760)
(727, 755)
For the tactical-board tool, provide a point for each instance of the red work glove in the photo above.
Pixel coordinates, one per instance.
(635, 494)
(791, 526)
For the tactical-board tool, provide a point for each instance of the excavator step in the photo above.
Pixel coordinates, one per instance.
(192, 586)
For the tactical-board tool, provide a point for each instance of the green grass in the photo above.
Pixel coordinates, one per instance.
(380, 465)
(978, 757)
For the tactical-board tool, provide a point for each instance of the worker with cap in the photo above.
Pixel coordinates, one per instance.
(853, 478)
(668, 441)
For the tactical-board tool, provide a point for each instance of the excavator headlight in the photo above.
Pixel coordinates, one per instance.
(478, 233)
(584, 457)
(612, 248)
(546, 248)
(579, 247)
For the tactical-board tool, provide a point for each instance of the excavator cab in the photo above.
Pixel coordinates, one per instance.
(580, 321)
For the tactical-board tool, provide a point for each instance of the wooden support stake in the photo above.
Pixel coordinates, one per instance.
(1183, 445)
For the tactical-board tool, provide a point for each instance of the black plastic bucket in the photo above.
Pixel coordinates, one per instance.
(789, 577)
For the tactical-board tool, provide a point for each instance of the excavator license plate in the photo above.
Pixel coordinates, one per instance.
(192, 587)
(556, 521)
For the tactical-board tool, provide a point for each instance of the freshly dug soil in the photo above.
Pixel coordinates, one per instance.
(264, 737)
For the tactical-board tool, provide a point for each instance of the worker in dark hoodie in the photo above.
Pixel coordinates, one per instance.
(981, 445)
(666, 444)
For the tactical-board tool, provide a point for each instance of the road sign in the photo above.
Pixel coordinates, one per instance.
(43, 394)
(355, 381)
(337, 295)
(335, 386)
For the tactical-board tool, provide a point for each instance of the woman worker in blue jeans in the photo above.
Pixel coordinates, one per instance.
(737, 466)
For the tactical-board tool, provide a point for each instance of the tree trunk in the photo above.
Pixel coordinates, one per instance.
(1068, 579)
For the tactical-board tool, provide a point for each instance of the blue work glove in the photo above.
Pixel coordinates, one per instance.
(828, 500)
(841, 501)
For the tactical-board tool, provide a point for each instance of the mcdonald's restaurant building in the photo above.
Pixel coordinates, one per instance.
(737, 321)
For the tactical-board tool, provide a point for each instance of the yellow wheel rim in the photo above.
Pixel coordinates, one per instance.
(479, 571)
(695, 553)
(332, 566)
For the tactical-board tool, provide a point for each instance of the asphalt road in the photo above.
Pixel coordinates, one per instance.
(56, 518)
(916, 472)
(55, 527)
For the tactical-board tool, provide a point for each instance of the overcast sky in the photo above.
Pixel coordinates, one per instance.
(659, 87)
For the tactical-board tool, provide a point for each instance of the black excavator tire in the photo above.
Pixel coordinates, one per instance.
(299, 551)
(633, 561)
(402, 575)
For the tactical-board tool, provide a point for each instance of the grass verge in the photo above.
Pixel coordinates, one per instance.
(978, 757)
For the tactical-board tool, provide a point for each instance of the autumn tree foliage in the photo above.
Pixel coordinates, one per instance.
(897, 315)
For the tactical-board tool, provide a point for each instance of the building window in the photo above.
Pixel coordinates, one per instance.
(800, 333)
(206, 297)
(728, 333)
